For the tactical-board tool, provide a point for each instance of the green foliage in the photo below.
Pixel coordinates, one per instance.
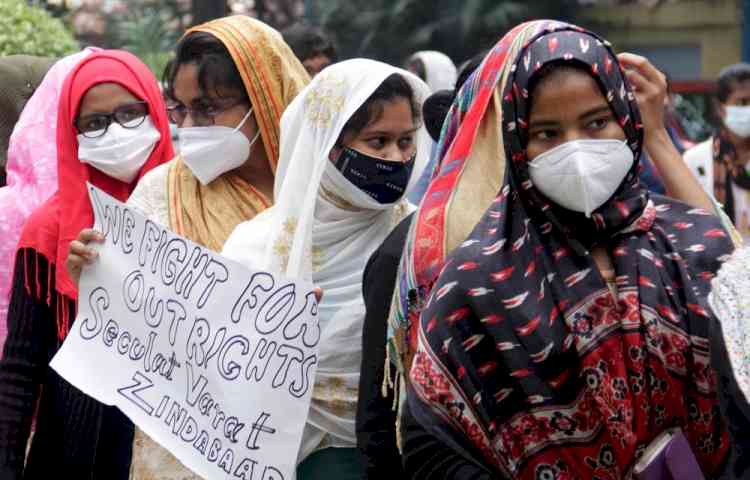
(146, 34)
(32, 31)
(391, 30)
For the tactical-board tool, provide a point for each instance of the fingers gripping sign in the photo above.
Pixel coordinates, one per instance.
(82, 253)
(214, 361)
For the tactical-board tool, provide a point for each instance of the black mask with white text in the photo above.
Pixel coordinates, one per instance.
(383, 180)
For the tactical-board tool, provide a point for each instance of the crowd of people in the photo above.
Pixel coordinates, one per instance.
(520, 275)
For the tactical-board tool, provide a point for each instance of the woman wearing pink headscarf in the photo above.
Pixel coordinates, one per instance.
(31, 169)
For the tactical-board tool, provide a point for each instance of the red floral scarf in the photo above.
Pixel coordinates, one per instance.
(525, 358)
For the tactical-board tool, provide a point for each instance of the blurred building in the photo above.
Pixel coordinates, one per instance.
(690, 40)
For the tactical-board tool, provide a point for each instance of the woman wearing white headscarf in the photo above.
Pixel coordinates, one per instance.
(351, 148)
(435, 68)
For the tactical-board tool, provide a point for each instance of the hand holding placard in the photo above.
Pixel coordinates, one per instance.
(212, 360)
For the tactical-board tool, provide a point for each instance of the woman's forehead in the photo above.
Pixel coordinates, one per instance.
(566, 88)
(187, 88)
(554, 56)
(105, 97)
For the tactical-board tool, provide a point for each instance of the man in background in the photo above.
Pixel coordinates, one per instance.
(311, 46)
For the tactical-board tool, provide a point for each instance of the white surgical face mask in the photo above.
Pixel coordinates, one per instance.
(737, 120)
(120, 152)
(210, 151)
(583, 174)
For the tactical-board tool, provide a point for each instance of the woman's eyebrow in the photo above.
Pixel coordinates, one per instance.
(543, 124)
(201, 100)
(596, 111)
(387, 133)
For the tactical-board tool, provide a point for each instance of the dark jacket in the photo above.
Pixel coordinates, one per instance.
(425, 457)
(75, 436)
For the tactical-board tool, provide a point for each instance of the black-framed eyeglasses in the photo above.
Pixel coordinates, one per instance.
(130, 115)
(204, 115)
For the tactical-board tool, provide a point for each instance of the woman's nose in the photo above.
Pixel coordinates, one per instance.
(402, 155)
(574, 134)
(187, 121)
(393, 153)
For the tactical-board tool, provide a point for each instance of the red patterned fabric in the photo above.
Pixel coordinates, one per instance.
(524, 355)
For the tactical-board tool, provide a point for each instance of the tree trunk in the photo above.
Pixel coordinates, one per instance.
(205, 10)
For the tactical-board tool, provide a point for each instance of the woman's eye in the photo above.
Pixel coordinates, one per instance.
(377, 142)
(128, 115)
(543, 135)
(405, 143)
(206, 109)
(94, 124)
(598, 123)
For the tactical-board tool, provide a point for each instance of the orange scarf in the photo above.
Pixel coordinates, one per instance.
(197, 211)
(273, 77)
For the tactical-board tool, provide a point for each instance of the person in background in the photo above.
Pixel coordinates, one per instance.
(31, 168)
(112, 128)
(311, 46)
(720, 163)
(20, 74)
(435, 68)
(376, 418)
(352, 147)
(229, 152)
(544, 328)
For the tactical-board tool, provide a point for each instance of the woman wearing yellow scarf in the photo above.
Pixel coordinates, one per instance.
(230, 82)
(228, 85)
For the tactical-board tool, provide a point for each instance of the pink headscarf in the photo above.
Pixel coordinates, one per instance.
(31, 169)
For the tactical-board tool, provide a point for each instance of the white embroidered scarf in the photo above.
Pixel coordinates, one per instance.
(323, 228)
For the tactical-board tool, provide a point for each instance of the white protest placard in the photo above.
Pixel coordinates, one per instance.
(212, 360)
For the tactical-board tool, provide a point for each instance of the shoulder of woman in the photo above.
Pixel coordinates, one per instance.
(43, 220)
(150, 194)
(153, 181)
(699, 151)
(248, 239)
(694, 236)
(682, 220)
(157, 175)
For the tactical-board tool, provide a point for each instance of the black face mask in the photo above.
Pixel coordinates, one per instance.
(383, 180)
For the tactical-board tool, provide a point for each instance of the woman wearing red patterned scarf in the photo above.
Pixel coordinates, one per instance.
(568, 328)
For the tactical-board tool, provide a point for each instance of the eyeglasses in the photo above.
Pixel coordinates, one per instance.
(130, 115)
(203, 115)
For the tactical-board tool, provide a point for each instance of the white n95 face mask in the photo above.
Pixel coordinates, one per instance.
(120, 152)
(583, 174)
(737, 120)
(211, 151)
